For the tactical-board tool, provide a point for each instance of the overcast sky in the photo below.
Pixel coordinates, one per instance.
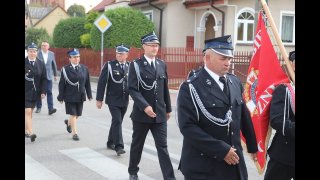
(87, 4)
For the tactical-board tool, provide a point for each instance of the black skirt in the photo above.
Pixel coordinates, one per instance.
(74, 108)
(29, 104)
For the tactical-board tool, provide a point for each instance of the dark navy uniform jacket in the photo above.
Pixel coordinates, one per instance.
(70, 93)
(282, 148)
(205, 144)
(158, 97)
(38, 72)
(116, 93)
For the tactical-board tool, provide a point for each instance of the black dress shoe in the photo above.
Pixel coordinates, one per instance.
(111, 146)
(133, 177)
(33, 137)
(52, 111)
(120, 151)
(68, 126)
(38, 110)
(75, 137)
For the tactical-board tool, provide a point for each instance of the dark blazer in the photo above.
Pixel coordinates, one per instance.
(282, 148)
(116, 93)
(38, 72)
(69, 93)
(205, 144)
(158, 97)
(51, 66)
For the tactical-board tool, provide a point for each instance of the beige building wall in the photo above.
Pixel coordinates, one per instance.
(232, 10)
(275, 7)
(178, 23)
(279, 8)
(34, 21)
(51, 20)
(155, 16)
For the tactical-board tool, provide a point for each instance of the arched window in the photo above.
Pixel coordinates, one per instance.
(245, 29)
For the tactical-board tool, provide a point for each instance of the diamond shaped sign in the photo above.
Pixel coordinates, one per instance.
(103, 23)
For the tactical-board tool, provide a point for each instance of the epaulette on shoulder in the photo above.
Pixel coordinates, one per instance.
(136, 59)
(192, 78)
(160, 60)
(231, 74)
(105, 64)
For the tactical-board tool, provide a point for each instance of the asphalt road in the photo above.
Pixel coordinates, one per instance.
(55, 156)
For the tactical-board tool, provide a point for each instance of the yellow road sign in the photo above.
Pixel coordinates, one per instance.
(103, 23)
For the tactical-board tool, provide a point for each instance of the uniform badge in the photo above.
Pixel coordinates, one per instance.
(117, 64)
(116, 72)
(208, 81)
(145, 63)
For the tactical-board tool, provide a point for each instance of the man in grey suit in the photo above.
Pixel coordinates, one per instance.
(48, 58)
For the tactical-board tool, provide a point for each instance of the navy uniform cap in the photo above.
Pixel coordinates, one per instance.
(32, 46)
(122, 49)
(150, 38)
(73, 52)
(292, 56)
(221, 45)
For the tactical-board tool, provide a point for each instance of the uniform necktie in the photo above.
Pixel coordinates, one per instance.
(152, 65)
(225, 88)
(32, 63)
(77, 68)
(122, 66)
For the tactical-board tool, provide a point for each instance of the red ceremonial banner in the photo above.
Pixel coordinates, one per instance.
(264, 74)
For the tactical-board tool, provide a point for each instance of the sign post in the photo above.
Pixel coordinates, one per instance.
(102, 23)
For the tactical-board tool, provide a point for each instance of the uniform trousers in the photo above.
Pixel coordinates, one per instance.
(159, 133)
(49, 97)
(278, 171)
(115, 131)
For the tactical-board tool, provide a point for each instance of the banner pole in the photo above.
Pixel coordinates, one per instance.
(279, 41)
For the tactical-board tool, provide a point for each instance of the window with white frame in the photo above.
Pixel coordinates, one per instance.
(149, 15)
(287, 26)
(245, 29)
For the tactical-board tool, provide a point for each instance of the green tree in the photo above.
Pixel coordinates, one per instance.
(76, 10)
(36, 35)
(128, 25)
(90, 18)
(67, 32)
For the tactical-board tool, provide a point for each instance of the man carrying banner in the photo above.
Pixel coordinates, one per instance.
(281, 165)
(264, 74)
(211, 113)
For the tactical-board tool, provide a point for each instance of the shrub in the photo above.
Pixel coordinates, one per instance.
(67, 33)
(128, 25)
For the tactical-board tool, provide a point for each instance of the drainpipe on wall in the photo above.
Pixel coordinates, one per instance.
(223, 16)
(160, 23)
